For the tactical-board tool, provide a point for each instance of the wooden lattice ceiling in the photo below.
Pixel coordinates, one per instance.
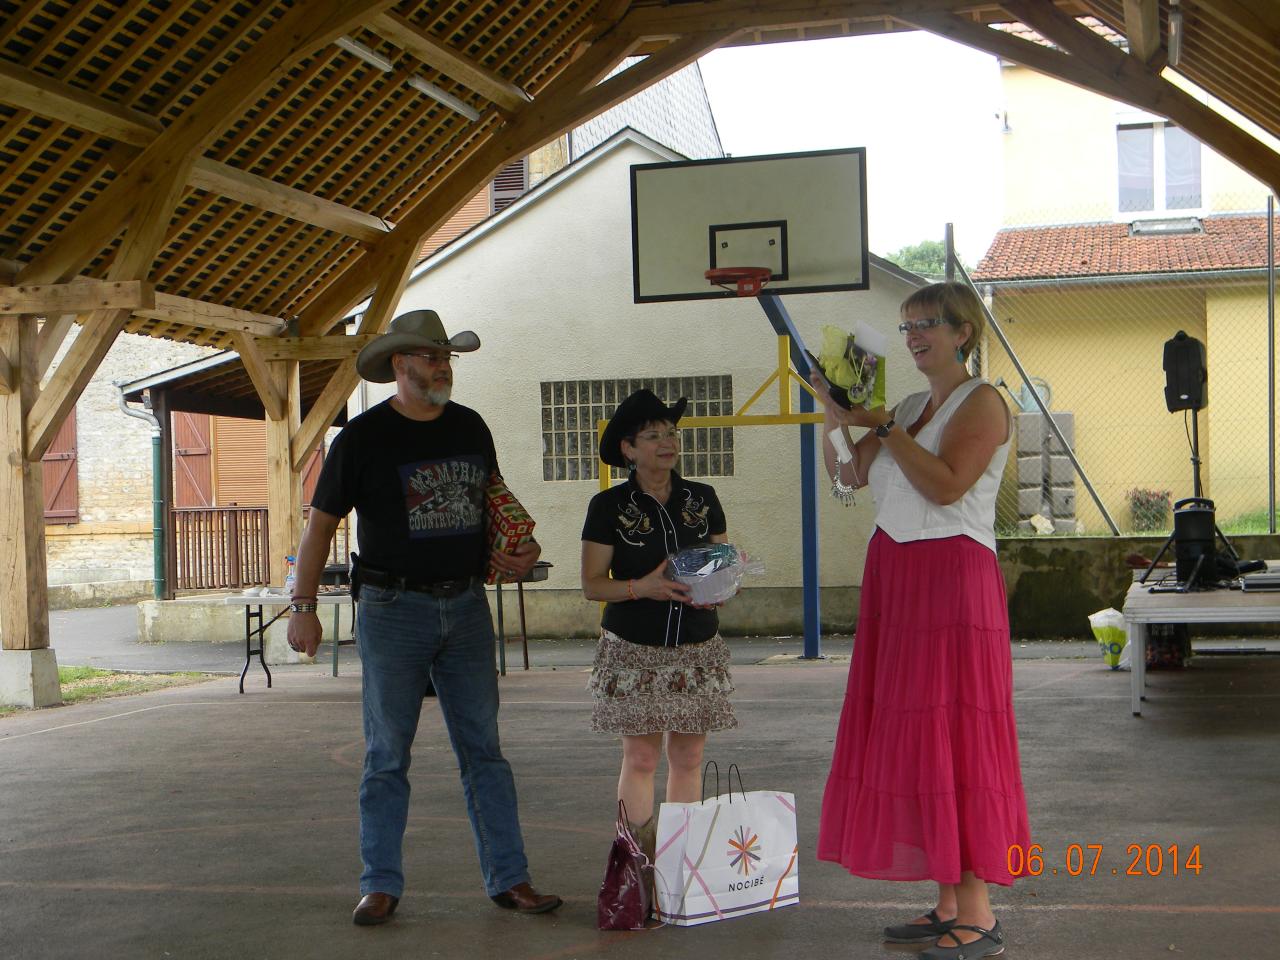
(296, 175)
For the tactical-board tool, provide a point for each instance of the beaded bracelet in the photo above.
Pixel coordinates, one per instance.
(631, 590)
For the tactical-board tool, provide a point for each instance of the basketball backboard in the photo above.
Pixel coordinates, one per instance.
(802, 215)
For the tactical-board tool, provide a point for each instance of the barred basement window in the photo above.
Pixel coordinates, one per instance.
(572, 408)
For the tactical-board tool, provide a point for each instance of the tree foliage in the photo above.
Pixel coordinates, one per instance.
(927, 258)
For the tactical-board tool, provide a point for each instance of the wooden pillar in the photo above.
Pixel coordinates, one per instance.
(28, 669)
(284, 483)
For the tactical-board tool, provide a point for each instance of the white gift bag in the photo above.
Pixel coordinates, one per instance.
(726, 856)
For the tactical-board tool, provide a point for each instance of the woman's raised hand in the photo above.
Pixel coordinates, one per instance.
(655, 586)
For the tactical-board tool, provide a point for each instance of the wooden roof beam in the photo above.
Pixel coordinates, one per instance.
(1142, 27)
(212, 316)
(134, 258)
(448, 61)
(295, 36)
(1146, 89)
(79, 296)
(57, 100)
(337, 391)
(1262, 20)
(273, 401)
(227, 181)
(337, 347)
(735, 16)
(50, 97)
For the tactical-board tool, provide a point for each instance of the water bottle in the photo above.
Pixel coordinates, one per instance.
(289, 578)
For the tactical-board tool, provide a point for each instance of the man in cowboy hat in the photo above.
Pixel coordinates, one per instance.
(415, 469)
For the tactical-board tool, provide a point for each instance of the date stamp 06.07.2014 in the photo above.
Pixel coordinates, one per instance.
(1091, 860)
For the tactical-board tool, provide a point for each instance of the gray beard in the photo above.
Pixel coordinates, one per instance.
(439, 396)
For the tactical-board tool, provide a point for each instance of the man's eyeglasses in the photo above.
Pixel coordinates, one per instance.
(435, 359)
(906, 326)
(655, 436)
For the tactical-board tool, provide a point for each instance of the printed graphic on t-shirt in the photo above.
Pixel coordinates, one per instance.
(444, 498)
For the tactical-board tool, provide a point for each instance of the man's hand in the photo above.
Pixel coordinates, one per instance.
(516, 566)
(305, 633)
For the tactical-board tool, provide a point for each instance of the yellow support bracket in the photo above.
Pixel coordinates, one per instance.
(785, 416)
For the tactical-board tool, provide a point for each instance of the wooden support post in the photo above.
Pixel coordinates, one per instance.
(28, 670)
(284, 482)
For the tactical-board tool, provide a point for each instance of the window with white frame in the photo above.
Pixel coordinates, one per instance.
(1159, 168)
(571, 409)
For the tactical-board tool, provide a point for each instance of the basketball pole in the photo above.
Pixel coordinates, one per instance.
(783, 326)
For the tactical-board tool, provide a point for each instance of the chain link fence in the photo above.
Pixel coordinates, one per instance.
(1087, 308)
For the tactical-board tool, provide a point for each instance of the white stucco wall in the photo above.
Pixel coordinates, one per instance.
(548, 289)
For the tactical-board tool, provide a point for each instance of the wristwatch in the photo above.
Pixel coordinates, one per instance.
(882, 431)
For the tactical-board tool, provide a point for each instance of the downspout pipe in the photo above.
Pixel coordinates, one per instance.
(157, 493)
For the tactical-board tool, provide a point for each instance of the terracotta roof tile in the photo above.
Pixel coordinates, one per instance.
(1107, 249)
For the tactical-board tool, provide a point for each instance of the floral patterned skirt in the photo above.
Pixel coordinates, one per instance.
(640, 690)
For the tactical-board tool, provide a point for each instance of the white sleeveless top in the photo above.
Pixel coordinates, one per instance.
(904, 513)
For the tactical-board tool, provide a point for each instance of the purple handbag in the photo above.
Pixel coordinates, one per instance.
(623, 903)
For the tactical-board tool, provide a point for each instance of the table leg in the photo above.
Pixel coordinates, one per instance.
(250, 614)
(524, 633)
(1137, 640)
(502, 639)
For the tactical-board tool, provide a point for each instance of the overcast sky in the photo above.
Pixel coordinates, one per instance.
(926, 109)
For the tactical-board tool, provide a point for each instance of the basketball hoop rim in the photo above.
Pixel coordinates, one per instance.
(748, 280)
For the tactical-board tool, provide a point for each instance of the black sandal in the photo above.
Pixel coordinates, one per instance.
(919, 932)
(990, 943)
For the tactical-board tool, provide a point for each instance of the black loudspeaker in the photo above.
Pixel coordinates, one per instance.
(1193, 539)
(1186, 375)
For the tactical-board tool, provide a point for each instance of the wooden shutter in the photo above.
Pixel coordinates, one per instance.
(240, 453)
(510, 184)
(61, 481)
(192, 460)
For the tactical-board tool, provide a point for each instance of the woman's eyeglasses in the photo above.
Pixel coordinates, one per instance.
(906, 326)
(656, 436)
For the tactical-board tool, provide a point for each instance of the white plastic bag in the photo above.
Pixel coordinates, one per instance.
(1109, 630)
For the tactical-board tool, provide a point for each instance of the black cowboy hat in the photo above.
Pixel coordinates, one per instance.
(634, 412)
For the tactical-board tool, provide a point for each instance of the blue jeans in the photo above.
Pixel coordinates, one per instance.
(405, 640)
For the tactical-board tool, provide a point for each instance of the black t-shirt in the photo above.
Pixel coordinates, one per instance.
(418, 489)
(642, 532)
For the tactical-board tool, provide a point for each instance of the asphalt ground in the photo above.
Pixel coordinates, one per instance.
(196, 822)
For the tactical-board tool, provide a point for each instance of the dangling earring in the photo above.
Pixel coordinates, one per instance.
(959, 355)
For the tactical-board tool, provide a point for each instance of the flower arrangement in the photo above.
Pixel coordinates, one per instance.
(1150, 508)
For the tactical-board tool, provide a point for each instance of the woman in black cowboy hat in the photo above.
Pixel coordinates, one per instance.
(661, 670)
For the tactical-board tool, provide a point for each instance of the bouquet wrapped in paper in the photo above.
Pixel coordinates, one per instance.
(712, 571)
(853, 364)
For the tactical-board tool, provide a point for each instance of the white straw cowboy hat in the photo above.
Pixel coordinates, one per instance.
(409, 333)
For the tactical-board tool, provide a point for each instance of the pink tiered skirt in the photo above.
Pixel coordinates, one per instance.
(925, 781)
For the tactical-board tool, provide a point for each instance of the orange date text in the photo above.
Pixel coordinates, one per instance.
(1090, 860)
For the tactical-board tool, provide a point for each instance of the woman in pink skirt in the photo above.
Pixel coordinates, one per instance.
(925, 781)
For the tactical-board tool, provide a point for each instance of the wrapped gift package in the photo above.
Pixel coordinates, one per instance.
(711, 571)
(509, 522)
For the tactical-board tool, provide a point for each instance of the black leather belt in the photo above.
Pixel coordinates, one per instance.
(438, 588)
